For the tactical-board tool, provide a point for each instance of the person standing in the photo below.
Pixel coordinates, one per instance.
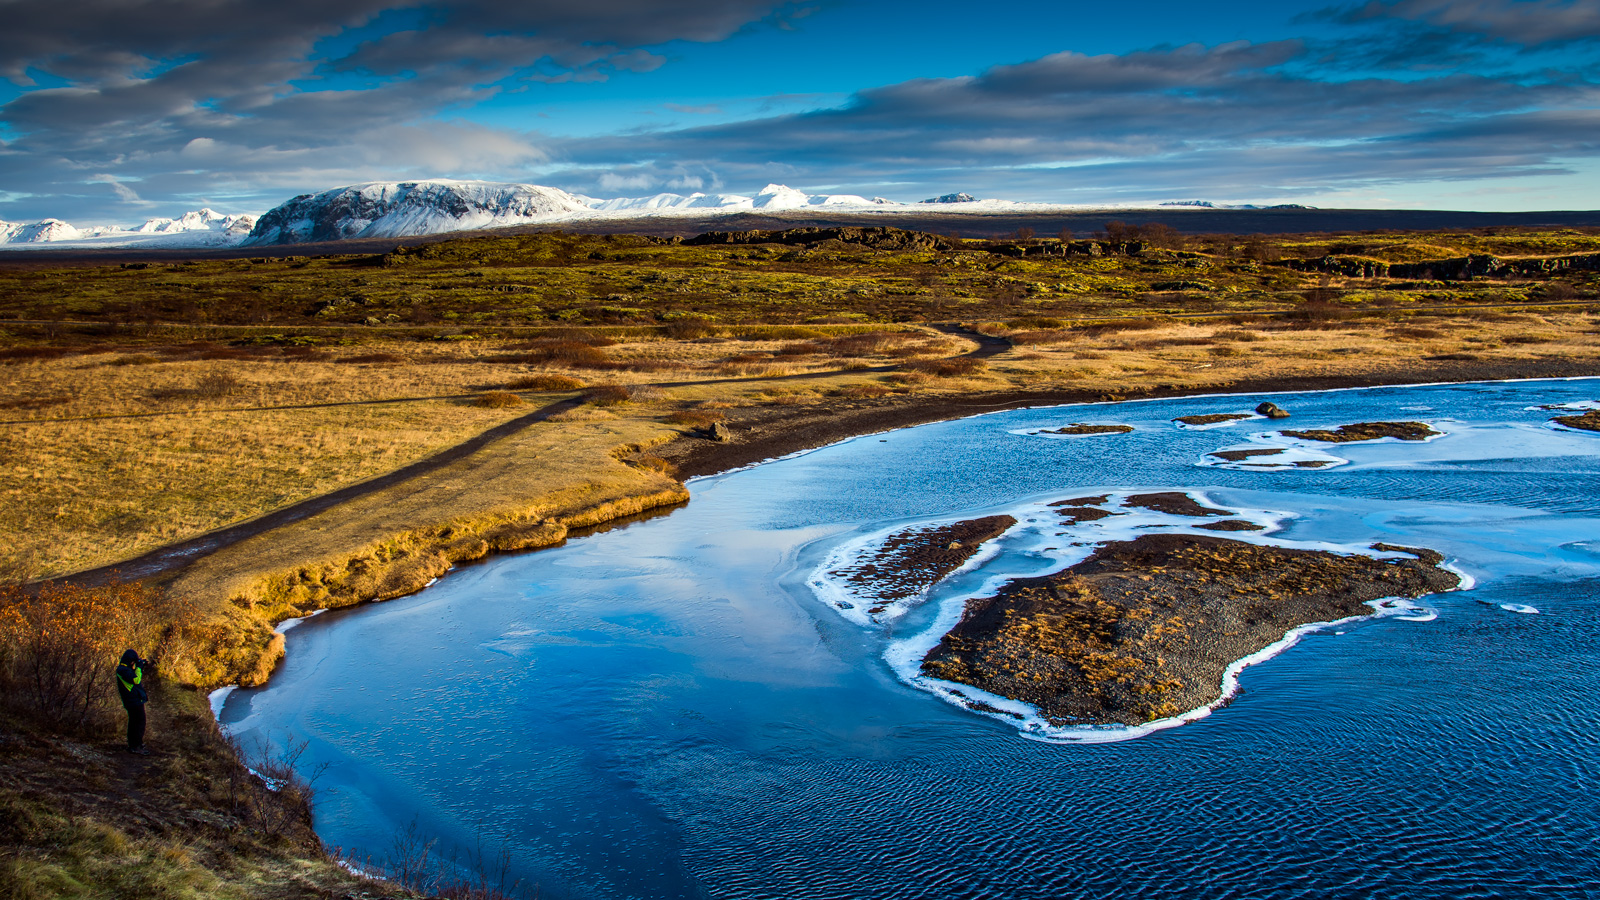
(130, 687)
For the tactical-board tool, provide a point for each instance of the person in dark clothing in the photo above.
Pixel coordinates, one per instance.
(130, 686)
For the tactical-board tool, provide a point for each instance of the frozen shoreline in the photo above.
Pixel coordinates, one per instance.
(1038, 525)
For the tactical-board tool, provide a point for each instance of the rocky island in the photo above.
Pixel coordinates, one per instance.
(1589, 421)
(1210, 418)
(911, 561)
(1367, 431)
(1081, 428)
(1145, 629)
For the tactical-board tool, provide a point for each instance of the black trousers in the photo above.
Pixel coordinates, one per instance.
(135, 725)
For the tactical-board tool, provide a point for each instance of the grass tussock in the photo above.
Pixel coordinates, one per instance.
(605, 395)
(498, 400)
(544, 383)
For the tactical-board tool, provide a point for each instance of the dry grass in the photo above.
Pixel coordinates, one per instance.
(84, 493)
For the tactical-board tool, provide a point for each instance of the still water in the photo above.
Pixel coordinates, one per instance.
(670, 709)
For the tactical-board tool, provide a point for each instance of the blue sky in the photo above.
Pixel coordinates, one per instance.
(119, 110)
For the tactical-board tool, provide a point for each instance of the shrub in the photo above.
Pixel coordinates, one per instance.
(497, 400)
(1040, 336)
(544, 383)
(947, 368)
(801, 348)
(59, 646)
(656, 464)
(608, 395)
(696, 418)
(576, 336)
(688, 331)
(18, 354)
(560, 352)
(1140, 324)
(862, 391)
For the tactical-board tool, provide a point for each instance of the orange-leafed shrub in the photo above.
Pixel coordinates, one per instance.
(608, 395)
(544, 383)
(59, 646)
(497, 400)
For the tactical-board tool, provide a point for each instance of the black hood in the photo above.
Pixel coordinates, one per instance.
(129, 657)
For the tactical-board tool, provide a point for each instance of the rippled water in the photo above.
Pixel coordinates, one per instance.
(668, 710)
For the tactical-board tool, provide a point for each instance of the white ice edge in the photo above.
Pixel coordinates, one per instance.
(218, 698)
(286, 624)
(1297, 450)
(852, 604)
(905, 656)
(1553, 425)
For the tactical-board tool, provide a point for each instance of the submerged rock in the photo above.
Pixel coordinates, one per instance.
(1272, 411)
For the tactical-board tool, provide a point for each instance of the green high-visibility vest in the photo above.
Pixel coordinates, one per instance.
(138, 677)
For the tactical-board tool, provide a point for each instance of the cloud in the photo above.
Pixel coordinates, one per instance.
(1238, 119)
(151, 90)
(1529, 23)
(121, 190)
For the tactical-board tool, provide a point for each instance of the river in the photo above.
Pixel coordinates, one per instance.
(670, 709)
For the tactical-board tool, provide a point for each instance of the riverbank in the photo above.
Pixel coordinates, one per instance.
(761, 433)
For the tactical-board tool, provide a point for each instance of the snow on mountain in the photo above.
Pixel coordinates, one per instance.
(202, 228)
(410, 208)
(200, 220)
(773, 197)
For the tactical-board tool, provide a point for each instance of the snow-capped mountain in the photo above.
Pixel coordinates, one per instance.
(201, 228)
(200, 220)
(771, 197)
(401, 209)
(410, 208)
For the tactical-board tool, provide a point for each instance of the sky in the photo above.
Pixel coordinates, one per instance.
(115, 111)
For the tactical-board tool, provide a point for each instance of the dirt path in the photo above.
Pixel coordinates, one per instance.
(176, 556)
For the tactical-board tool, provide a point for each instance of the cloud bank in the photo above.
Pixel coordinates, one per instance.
(119, 108)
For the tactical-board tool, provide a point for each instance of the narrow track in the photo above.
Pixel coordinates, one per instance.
(173, 557)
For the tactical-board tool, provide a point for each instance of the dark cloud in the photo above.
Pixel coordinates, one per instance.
(149, 81)
(133, 104)
(1529, 23)
(1237, 119)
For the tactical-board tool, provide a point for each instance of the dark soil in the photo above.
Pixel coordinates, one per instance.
(1210, 418)
(1366, 431)
(1173, 503)
(1236, 455)
(1232, 525)
(915, 559)
(1144, 629)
